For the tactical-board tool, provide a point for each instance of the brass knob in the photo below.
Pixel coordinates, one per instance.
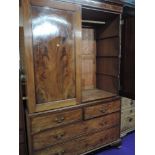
(103, 110)
(59, 135)
(59, 119)
(103, 123)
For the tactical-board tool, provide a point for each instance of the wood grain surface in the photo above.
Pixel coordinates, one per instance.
(64, 133)
(95, 94)
(44, 122)
(53, 49)
(107, 77)
(88, 59)
(83, 144)
(108, 46)
(102, 109)
(108, 66)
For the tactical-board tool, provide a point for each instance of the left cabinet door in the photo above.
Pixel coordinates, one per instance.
(52, 32)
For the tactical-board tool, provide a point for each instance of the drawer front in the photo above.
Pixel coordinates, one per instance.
(101, 109)
(127, 103)
(50, 137)
(47, 121)
(127, 123)
(128, 112)
(83, 144)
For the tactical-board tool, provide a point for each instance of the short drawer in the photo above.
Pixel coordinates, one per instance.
(49, 120)
(127, 103)
(127, 122)
(101, 109)
(57, 135)
(83, 144)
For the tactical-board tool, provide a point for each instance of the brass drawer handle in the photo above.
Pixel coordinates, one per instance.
(60, 119)
(59, 135)
(60, 153)
(103, 123)
(103, 110)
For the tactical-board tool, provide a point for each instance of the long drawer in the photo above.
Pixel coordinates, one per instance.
(47, 121)
(101, 109)
(83, 144)
(59, 134)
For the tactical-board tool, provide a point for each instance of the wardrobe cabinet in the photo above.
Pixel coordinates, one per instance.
(72, 69)
(127, 79)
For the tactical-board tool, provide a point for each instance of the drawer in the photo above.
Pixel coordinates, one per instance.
(101, 109)
(127, 103)
(57, 135)
(46, 121)
(127, 112)
(83, 144)
(127, 123)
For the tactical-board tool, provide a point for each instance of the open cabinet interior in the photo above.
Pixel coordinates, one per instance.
(100, 54)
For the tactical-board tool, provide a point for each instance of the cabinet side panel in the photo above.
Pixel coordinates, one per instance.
(107, 76)
(28, 56)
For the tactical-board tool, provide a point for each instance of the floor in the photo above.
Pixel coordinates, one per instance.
(127, 147)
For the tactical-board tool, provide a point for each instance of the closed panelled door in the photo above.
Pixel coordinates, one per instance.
(53, 48)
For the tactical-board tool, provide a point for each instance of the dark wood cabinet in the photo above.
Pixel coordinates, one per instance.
(72, 69)
(128, 54)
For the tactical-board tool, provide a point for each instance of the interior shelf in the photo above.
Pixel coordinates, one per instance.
(95, 94)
